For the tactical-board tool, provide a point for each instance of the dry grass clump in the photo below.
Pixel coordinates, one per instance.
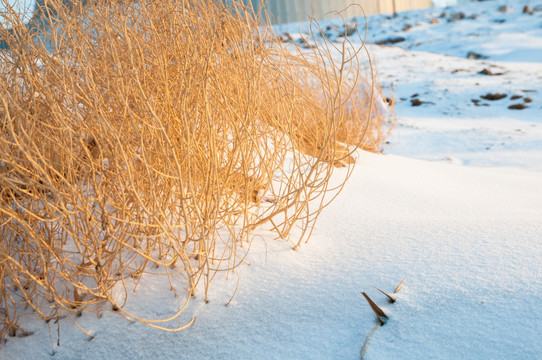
(159, 133)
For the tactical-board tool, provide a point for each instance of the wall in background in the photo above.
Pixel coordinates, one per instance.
(300, 10)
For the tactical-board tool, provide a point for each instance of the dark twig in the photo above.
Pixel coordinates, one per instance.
(378, 311)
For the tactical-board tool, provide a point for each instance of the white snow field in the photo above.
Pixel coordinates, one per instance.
(453, 206)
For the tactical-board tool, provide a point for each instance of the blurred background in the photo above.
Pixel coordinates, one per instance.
(285, 11)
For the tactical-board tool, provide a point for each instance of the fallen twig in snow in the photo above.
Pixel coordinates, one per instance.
(380, 314)
(391, 299)
(376, 326)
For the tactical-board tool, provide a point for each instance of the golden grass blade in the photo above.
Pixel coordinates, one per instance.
(399, 287)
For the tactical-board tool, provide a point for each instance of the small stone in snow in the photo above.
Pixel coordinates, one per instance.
(458, 16)
(390, 40)
(489, 72)
(475, 56)
(493, 97)
(517, 107)
(416, 102)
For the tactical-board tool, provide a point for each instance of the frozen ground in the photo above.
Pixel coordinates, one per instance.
(453, 120)
(455, 208)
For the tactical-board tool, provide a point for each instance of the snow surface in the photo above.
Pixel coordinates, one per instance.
(454, 207)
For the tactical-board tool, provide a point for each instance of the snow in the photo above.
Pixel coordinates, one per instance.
(453, 207)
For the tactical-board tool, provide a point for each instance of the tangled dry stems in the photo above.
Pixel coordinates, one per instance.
(160, 133)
